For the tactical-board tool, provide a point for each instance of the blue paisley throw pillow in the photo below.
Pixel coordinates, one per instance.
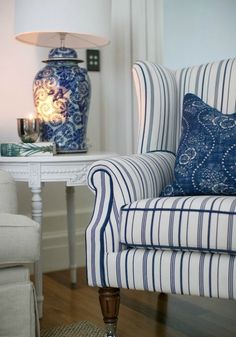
(206, 158)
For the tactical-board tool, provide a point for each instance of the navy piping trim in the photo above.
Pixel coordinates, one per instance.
(203, 79)
(181, 274)
(126, 271)
(223, 86)
(140, 65)
(91, 185)
(162, 80)
(177, 248)
(123, 209)
(163, 151)
(102, 252)
(210, 277)
(153, 271)
(107, 169)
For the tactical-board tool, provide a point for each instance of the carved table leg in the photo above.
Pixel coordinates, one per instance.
(37, 216)
(70, 191)
(110, 301)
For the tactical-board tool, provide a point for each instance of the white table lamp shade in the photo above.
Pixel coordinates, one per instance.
(85, 22)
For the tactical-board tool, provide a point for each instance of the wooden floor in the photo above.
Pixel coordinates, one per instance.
(141, 313)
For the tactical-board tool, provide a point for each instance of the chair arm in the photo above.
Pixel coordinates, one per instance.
(8, 194)
(132, 177)
(117, 182)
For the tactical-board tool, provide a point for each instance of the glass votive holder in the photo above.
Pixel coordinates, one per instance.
(28, 129)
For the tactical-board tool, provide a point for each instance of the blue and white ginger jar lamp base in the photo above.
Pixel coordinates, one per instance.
(61, 97)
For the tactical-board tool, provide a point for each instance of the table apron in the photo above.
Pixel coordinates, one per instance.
(72, 173)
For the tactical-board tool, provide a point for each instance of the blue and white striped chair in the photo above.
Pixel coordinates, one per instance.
(138, 240)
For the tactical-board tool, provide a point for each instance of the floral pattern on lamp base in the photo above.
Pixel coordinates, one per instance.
(61, 97)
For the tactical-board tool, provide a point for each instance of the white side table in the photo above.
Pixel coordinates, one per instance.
(35, 170)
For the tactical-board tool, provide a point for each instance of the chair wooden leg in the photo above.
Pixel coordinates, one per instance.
(162, 307)
(110, 301)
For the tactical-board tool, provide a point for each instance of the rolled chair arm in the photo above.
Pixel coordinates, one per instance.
(117, 182)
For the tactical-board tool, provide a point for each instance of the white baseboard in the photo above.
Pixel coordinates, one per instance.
(55, 240)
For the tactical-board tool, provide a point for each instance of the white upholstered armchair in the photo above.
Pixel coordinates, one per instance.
(19, 244)
(139, 240)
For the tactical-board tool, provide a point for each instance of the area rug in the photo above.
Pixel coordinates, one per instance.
(80, 329)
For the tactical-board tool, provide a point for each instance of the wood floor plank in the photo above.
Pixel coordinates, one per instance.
(141, 313)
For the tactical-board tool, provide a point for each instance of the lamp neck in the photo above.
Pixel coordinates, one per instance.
(62, 39)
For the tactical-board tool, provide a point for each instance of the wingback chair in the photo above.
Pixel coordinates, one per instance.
(19, 245)
(139, 240)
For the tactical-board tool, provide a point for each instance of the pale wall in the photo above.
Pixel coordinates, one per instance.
(197, 32)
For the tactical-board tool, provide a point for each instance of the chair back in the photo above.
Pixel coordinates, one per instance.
(8, 194)
(160, 93)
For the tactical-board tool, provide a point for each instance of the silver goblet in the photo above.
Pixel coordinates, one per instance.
(28, 129)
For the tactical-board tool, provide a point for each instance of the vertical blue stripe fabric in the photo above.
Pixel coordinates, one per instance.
(189, 273)
(160, 93)
(204, 223)
(116, 182)
(157, 96)
(139, 240)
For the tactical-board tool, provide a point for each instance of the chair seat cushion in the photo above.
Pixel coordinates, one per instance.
(203, 223)
(19, 239)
